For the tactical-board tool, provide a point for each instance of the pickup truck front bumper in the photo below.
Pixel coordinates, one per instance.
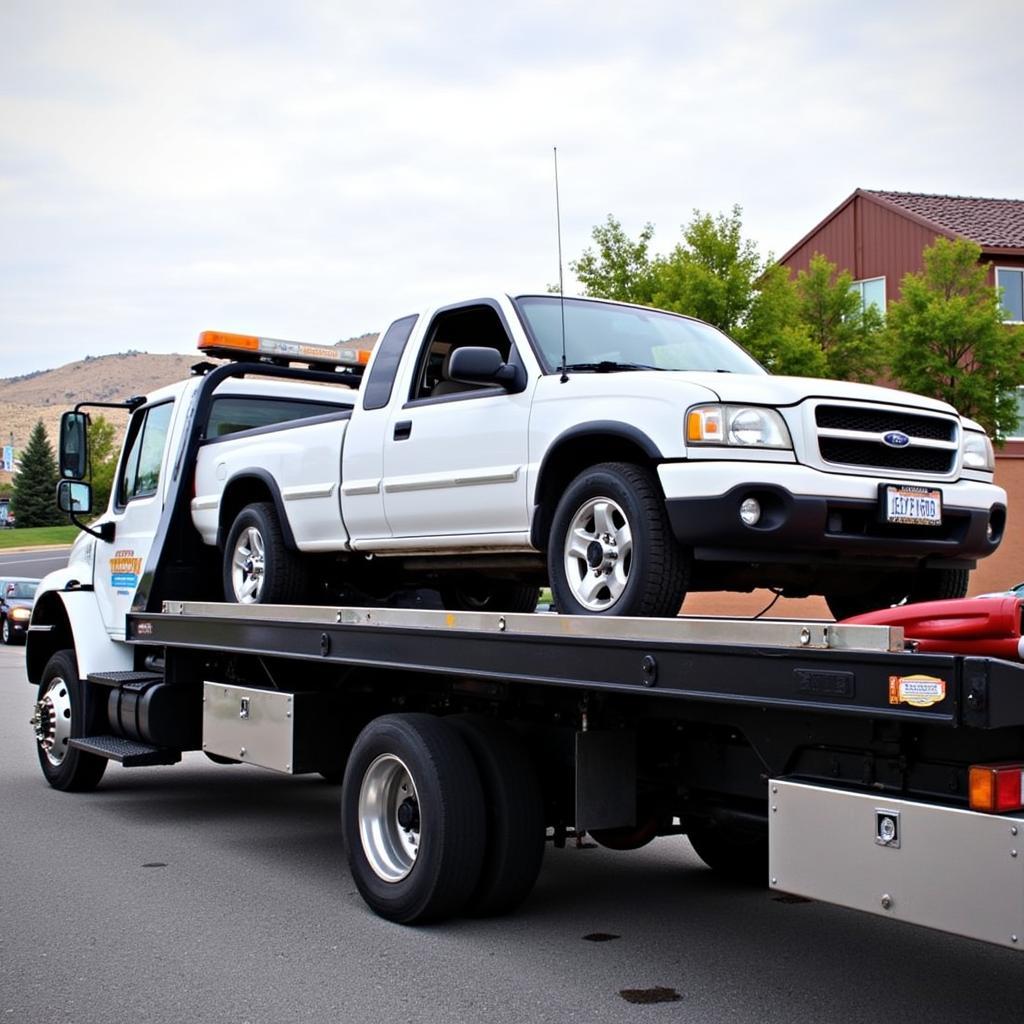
(830, 517)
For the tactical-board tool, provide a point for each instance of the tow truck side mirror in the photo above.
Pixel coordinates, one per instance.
(74, 497)
(74, 447)
(473, 365)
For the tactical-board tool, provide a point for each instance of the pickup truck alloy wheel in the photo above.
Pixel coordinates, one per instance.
(247, 565)
(413, 817)
(611, 549)
(60, 713)
(8, 636)
(259, 568)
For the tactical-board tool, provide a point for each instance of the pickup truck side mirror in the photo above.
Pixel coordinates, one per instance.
(74, 446)
(472, 365)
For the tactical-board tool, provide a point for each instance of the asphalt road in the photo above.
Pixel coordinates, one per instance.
(33, 563)
(200, 893)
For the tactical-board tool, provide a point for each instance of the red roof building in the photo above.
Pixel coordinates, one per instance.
(878, 237)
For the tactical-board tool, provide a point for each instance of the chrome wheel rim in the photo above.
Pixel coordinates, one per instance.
(389, 818)
(51, 720)
(598, 554)
(248, 562)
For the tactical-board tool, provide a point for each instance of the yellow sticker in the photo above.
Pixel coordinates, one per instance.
(918, 691)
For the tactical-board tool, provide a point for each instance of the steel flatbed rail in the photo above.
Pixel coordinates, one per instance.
(782, 664)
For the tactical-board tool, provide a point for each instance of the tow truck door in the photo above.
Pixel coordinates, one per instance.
(137, 499)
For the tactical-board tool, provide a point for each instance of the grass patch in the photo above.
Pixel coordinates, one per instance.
(37, 536)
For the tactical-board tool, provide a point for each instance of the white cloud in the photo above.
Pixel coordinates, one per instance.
(309, 170)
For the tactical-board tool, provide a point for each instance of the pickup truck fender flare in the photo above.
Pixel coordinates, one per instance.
(71, 618)
(576, 448)
(263, 481)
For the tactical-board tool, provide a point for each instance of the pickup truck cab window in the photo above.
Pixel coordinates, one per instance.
(606, 336)
(381, 379)
(475, 325)
(140, 471)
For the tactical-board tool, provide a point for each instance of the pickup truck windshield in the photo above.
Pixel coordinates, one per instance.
(604, 337)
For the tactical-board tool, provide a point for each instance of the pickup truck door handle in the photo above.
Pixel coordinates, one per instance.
(403, 430)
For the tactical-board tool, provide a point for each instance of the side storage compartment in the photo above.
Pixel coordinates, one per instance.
(955, 870)
(286, 732)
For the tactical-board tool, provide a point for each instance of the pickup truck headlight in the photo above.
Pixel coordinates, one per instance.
(978, 452)
(745, 426)
(20, 614)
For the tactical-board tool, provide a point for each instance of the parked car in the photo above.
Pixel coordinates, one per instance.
(17, 595)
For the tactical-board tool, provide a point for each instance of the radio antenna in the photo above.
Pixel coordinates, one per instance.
(561, 285)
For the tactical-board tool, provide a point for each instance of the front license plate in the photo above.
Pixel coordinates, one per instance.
(917, 506)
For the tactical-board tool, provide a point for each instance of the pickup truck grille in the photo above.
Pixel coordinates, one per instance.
(879, 421)
(853, 436)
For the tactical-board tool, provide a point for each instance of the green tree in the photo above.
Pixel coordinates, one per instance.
(712, 274)
(103, 456)
(848, 335)
(620, 269)
(773, 331)
(948, 339)
(34, 489)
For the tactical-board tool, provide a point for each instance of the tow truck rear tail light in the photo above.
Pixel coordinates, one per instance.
(996, 787)
(239, 346)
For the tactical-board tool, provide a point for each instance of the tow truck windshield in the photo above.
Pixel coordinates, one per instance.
(604, 337)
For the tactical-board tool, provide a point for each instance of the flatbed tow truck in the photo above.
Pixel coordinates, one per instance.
(820, 759)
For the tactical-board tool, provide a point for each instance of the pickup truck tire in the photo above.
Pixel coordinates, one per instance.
(611, 550)
(491, 596)
(258, 566)
(413, 818)
(6, 632)
(926, 585)
(514, 848)
(60, 714)
(735, 853)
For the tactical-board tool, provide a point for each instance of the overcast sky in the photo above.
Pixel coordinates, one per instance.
(311, 170)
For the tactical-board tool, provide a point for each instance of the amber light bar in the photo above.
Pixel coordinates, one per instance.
(996, 787)
(234, 346)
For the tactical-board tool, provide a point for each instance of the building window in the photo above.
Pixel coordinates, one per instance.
(1016, 433)
(871, 292)
(1011, 283)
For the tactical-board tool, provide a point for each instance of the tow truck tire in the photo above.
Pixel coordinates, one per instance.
(514, 848)
(737, 854)
(491, 596)
(413, 818)
(611, 549)
(258, 566)
(62, 713)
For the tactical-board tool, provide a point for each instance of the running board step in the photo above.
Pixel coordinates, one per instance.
(130, 680)
(131, 753)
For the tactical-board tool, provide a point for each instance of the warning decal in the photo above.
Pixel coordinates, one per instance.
(918, 691)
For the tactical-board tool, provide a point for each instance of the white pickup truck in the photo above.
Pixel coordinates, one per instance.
(624, 455)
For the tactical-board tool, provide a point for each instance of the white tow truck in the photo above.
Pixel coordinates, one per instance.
(828, 760)
(625, 455)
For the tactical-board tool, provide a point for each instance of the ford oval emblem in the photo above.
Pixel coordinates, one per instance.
(896, 439)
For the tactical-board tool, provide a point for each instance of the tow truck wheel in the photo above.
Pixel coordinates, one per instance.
(514, 802)
(735, 853)
(59, 715)
(412, 814)
(258, 566)
(611, 550)
(490, 596)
